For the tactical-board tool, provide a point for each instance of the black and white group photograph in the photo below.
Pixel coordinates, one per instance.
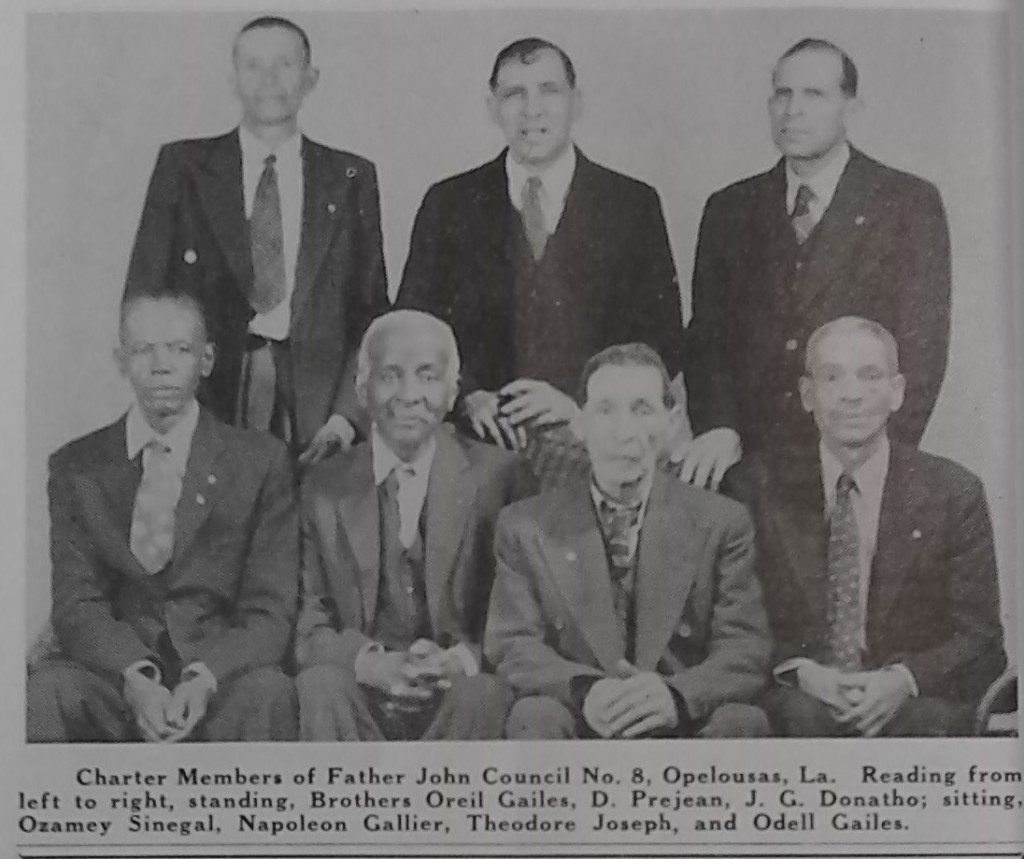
(519, 374)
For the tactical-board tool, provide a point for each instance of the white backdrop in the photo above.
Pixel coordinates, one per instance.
(676, 97)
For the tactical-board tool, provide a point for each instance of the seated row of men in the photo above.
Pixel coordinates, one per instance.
(628, 604)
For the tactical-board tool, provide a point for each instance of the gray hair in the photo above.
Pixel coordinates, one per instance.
(848, 324)
(396, 319)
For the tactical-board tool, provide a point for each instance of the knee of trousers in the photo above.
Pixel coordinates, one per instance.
(319, 682)
(59, 684)
(539, 717)
(482, 693)
(793, 713)
(268, 684)
(737, 720)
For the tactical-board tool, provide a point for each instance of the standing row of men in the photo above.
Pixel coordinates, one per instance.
(263, 249)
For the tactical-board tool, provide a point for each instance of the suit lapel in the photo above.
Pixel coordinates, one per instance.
(836, 237)
(200, 484)
(323, 192)
(903, 501)
(116, 480)
(669, 545)
(218, 183)
(450, 496)
(579, 566)
(359, 515)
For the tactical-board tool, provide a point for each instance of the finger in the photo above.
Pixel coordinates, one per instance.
(689, 466)
(491, 426)
(681, 452)
(625, 668)
(623, 704)
(702, 473)
(638, 713)
(508, 434)
(174, 710)
(526, 412)
(718, 473)
(308, 456)
(403, 692)
(520, 437)
(644, 726)
(151, 732)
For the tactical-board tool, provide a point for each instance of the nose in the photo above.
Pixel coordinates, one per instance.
(851, 389)
(160, 362)
(533, 103)
(623, 427)
(410, 391)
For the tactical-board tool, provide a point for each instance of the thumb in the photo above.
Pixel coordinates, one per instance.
(625, 669)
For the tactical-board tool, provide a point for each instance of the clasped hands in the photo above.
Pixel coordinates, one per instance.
(504, 416)
(863, 701)
(631, 704)
(411, 677)
(162, 715)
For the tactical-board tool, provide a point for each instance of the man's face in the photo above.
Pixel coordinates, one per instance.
(271, 75)
(852, 388)
(807, 108)
(407, 392)
(535, 108)
(163, 354)
(625, 423)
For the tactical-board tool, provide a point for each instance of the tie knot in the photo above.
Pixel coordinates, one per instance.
(804, 195)
(532, 186)
(845, 485)
(270, 161)
(619, 518)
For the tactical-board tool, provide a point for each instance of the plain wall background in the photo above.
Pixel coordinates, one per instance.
(675, 97)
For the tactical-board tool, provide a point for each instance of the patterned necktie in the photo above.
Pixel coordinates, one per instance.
(844, 612)
(152, 532)
(399, 486)
(802, 219)
(267, 238)
(620, 525)
(533, 217)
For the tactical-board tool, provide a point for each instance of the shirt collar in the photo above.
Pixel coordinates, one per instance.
(601, 497)
(138, 433)
(255, 151)
(823, 183)
(869, 476)
(555, 178)
(385, 460)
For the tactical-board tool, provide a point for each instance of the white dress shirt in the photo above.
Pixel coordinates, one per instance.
(555, 181)
(274, 324)
(823, 183)
(138, 434)
(413, 479)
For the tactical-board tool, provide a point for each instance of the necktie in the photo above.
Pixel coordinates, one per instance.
(267, 239)
(844, 579)
(802, 219)
(619, 525)
(533, 217)
(399, 486)
(152, 531)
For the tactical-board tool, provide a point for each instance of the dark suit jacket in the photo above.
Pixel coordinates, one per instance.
(611, 247)
(881, 251)
(194, 235)
(469, 483)
(933, 601)
(699, 618)
(228, 597)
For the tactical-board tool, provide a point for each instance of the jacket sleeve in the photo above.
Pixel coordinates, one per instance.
(265, 605)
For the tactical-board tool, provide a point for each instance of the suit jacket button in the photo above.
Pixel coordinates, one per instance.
(190, 256)
(791, 345)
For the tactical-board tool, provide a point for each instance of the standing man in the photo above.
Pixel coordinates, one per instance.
(398, 558)
(174, 542)
(281, 238)
(876, 560)
(626, 605)
(540, 258)
(825, 233)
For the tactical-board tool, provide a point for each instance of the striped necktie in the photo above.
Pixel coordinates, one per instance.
(802, 219)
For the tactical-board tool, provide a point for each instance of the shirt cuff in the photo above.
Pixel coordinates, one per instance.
(362, 667)
(785, 672)
(465, 658)
(146, 667)
(909, 675)
(199, 671)
(342, 427)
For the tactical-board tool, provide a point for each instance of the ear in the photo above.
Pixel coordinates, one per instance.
(206, 360)
(899, 391)
(312, 78)
(494, 108)
(807, 393)
(120, 360)
(361, 394)
(577, 104)
(853, 113)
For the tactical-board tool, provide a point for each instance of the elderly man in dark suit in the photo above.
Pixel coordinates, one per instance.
(281, 238)
(626, 605)
(175, 553)
(876, 560)
(540, 258)
(397, 561)
(825, 233)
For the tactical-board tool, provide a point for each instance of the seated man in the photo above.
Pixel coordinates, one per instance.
(397, 561)
(174, 541)
(626, 605)
(876, 560)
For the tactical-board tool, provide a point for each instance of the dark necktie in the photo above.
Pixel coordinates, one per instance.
(533, 217)
(267, 238)
(844, 611)
(152, 530)
(802, 219)
(619, 525)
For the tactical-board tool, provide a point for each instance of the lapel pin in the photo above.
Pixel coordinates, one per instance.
(190, 256)
(351, 172)
(200, 498)
(570, 556)
(916, 534)
(211, 479)
(859, 220)
(331, 208)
